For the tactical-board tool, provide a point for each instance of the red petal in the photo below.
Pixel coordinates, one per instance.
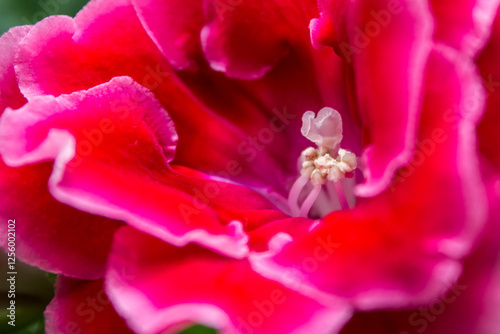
(402, 247)
(158, 287)
(464, 24)
(61, 55)
(175, 27)
(398, 36)
(10, 96)
(82, 307)
(114, 162)
(488, 133)
(245, 38)
(472, 305)
(51, 235)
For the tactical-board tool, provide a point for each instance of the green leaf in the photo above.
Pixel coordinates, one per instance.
(31, 292)
(199, 329)
(37, 326)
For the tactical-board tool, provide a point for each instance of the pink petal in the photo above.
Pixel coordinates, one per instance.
(62, 55)
(111, 146)
(398, 35)
(470, 306)
(174, 25)
(294, 227)
(464, 24)
(246, 38)
(303, 81)
(10, 96)
(51, 235)
(157, 287)
(401, 247)
(45, 240)
(269, 110)
(82, 307)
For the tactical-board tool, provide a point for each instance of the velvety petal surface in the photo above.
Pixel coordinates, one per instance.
(48, 233)
(174, 25)
(51, 235)
(293, 227)
(464, 25)
(62, 55)
(268, 109)
(246, 38)
(402, 247)
(387, 42)
(470, 306)
(10, 96)
(111, 146)
(168, 287)
(82, 307)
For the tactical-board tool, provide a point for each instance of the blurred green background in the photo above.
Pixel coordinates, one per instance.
(35, 287)
(22, 12)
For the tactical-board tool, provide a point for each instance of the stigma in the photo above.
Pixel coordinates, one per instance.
(324, 166)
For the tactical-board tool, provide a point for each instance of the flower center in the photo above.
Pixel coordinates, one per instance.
(327, 165)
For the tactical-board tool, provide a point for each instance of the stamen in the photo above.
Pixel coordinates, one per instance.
(326, 202)
(332, 193)
(293, 196)
(327, 164)
(308, 203)
(348, 183)
(341, 195)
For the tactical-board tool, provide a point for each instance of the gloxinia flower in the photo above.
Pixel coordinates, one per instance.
(200, 162)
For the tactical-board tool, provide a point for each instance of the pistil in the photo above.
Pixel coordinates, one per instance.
(327, 165)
